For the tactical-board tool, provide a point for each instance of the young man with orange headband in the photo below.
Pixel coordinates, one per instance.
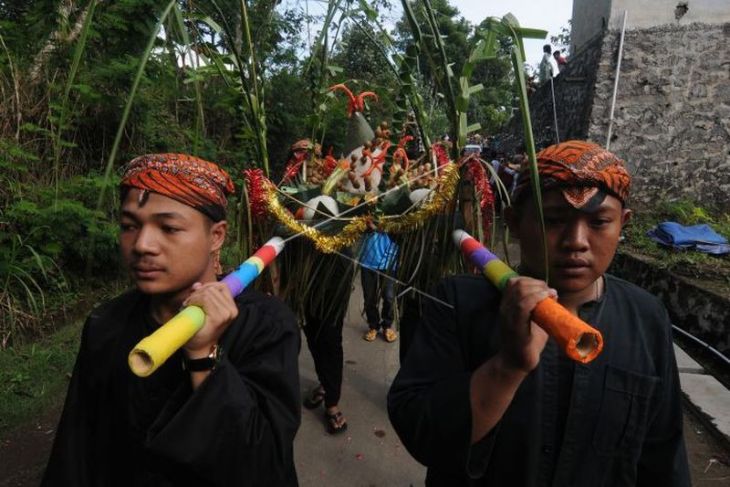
(221, 411)
(485, 397)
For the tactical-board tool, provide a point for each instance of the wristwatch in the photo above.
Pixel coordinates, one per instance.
(205, 363)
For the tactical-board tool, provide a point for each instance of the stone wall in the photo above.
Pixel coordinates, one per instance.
(574, 88)
(672, 115)
(692, 306)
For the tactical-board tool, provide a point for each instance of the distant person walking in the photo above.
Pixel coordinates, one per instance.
(546, 71)
(377, 257)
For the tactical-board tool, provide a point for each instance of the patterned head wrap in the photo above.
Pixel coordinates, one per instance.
(187, 179)
(584, 171)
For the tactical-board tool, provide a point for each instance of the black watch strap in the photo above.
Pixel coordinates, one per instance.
(205, 363)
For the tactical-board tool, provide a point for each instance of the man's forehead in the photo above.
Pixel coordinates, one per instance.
(138, 200)
(564, 199)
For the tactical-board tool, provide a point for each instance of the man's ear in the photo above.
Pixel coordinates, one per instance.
(218, 232)
(626, 215)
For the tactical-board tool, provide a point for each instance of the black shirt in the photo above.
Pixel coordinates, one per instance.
(237, 428)
(616, 421)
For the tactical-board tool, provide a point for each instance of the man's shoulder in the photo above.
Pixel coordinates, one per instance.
(468, 312)
(638, 302)
(108, 318)
(630, 291)
(469, 282)
(266, 307)
(468, 293)
(263, 321)
(124, 301)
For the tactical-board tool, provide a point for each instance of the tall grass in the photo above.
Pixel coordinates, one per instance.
(248, 81)
(510, 27)
(26, 277)
(16, 89)
(63, 111)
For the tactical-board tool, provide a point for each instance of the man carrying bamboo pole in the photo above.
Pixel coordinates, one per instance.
(221, 411)
(484, 397)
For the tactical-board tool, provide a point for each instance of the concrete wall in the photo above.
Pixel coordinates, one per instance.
(692, 306)
(672, 116)
(652, 13)
(590, 17)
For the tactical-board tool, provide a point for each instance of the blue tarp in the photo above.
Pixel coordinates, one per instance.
(701, 238)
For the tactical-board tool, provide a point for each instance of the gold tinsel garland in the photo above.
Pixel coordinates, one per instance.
(436, 202)
(325, 243)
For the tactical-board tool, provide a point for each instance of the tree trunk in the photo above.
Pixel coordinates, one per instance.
(58, 37)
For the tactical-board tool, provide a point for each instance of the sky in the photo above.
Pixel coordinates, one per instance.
(548, 15)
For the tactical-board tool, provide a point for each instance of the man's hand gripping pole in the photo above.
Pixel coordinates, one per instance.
(154, 350)
(578, 339)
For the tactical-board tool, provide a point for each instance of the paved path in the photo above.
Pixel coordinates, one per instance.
(369, 453)
(705, 392)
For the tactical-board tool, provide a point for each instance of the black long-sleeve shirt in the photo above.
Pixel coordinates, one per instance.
(237, 428)
(616, 421)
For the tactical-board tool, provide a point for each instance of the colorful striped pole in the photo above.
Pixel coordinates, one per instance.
(580, 341)
(154, 350)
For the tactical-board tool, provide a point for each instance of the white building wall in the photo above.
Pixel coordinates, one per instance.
(591, 16)
(653, 13)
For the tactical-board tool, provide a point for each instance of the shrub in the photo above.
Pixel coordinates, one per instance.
(26, 277)
(68, 232)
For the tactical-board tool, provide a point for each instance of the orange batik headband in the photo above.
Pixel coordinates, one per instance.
(583, 171)
(187, 179)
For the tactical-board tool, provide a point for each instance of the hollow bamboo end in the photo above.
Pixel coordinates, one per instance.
(141, 363)
(588, 346)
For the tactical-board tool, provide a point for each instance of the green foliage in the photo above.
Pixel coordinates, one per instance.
(688, 212)
(690, 263)
(68, 229)
(35, 376)
(14, 162)
(453, 29)
(65, 233)
(451, 54)
(363, 63)
(27, 275)
(50, 240)
(90, 89)
(562, 40)
(288, 111)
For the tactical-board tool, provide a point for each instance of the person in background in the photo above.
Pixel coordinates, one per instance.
(224, 409)
(326, 292)
(546, 70)
(377, 260)
(485, 397)
(560, 60)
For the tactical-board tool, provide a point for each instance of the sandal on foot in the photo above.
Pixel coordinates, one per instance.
(389, 335)
(335, 423)
(314, 398)
(370, 335)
